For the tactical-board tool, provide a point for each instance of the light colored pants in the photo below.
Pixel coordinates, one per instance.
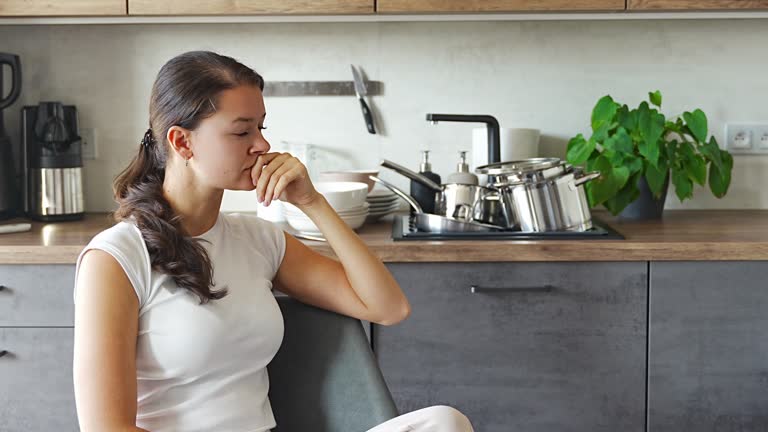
(439, 418)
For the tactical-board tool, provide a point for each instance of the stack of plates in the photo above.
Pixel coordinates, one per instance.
(383, 202)
(354, 217)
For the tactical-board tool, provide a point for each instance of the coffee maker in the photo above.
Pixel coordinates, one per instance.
(9, 182)
(53, 162)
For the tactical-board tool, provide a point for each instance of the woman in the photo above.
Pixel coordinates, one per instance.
(175, 320)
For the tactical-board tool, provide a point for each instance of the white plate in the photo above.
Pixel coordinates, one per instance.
(385, 205)
(306, 225)
(380, 199)
(384, 209)
(292, 209)
(376, 193)
(342, 215)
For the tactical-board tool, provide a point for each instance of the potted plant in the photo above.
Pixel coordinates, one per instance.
(638, 151)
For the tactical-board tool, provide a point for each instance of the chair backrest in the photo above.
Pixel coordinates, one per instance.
(325, 378)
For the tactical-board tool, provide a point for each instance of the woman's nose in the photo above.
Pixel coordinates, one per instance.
(260, 145)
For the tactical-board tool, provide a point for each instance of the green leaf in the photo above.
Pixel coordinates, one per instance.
(621, 142)
(651, 125)
(696, 169)
(683, 185)
(601, 134)
(697, 124)
(711, 151)
(634, 164)
(720, 179)
(627, 119)
(579, 150)
(625, 196)
(656, 176)
(612, 179)
(655, 98)
(603, 113)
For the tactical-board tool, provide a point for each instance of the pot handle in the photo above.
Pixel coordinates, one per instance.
(586, 177)
(399, 193)
(426, 181)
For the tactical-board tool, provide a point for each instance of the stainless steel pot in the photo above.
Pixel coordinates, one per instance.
(553, 204)
(523, 170)
(458, 201)
(434, 223)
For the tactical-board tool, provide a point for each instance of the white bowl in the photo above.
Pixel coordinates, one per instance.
(343, 195)
(294, 211)
(305, 224)
(350, 176)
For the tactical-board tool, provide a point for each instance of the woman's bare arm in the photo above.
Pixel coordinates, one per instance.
(106, 325)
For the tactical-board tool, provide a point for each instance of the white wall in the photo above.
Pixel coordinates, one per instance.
(546, 75)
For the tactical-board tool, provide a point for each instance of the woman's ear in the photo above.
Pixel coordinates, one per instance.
(179, 138)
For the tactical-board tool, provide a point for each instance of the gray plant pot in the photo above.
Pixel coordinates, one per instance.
(646, 206)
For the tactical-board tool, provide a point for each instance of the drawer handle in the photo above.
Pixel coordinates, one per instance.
(476, 289)
(3, 353)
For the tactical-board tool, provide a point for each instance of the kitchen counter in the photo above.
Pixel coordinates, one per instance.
(683, 235)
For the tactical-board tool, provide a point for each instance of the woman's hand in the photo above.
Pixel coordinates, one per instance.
(282, 176)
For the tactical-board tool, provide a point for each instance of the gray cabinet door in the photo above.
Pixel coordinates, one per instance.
(538, 346)
(37, 295)
(36, 388)
(708, 357)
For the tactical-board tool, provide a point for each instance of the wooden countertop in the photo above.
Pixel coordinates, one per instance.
(683, 235)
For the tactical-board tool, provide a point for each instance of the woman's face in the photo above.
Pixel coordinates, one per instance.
(225, 145)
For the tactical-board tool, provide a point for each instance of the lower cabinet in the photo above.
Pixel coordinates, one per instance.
(36, 388)
(708, 356)
(522, 346)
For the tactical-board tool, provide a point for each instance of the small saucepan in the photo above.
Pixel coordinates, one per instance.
(463, 202)
(435, 223)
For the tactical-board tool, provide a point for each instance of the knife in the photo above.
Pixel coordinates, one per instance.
(361, 91)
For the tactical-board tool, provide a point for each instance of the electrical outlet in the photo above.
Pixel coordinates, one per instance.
(746, 138)
(88, 135)
(761, 139)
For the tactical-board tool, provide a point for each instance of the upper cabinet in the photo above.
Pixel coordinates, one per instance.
(692, 5)
(470, 6)
(21, 8)
(250, 7)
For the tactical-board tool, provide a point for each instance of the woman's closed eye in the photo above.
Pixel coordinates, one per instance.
(242, 134)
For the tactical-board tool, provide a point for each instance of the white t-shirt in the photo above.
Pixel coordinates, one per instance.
(203, 367)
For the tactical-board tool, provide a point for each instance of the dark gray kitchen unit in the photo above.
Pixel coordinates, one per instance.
(36, 343)
(532, 347)
(708, 355)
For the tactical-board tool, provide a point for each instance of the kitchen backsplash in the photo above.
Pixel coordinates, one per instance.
(545, 75)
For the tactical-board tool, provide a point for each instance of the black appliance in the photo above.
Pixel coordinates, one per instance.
(53, 162)
(9, 181)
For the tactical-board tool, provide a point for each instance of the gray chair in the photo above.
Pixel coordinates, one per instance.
(325, 378)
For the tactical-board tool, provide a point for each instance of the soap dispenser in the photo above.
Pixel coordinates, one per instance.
(462, 174)
(422, 194)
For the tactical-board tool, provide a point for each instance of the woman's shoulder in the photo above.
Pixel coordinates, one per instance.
(123, 233)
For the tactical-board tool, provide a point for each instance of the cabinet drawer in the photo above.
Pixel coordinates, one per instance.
(536, 347)
(37, 295)
(37, 392)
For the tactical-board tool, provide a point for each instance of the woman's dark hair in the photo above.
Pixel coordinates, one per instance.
(185, 92)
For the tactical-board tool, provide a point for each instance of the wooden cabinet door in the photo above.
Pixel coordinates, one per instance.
(36, 387)
(538, 347)
(470, 6)
(61, 7)
(696, 4)
(249, 7)
(708, 355)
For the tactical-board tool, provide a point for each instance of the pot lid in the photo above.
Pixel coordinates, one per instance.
(519, 166)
